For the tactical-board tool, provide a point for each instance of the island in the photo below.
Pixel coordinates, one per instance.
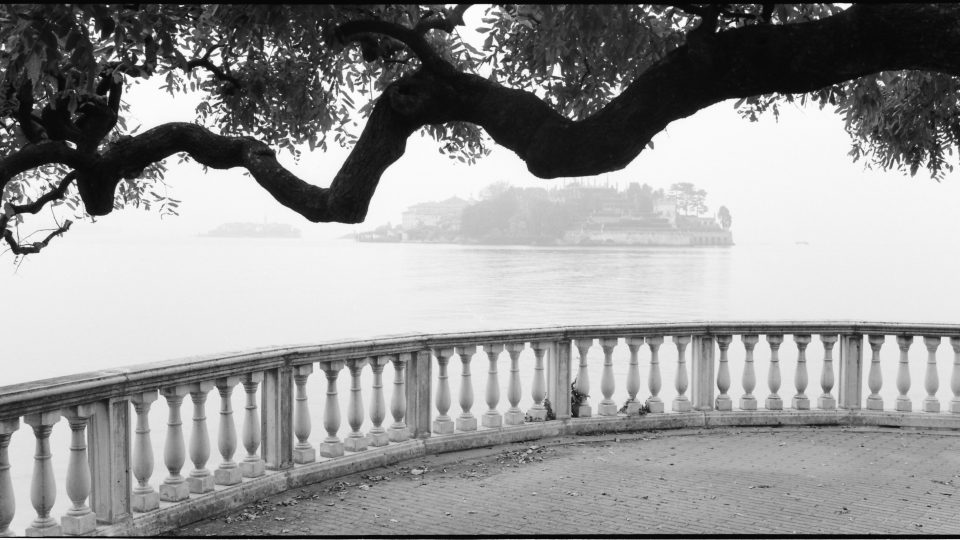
(579, 213)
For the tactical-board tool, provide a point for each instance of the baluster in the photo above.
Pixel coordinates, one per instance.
(903, 374)
(398, 431)
(514, 416)
(774, 401)
(749, 402)
(607, 407)
(355, 441)
(443, 424)
(583, 378)
(228, 473)
(144, 497)
(681, 403)
(79, 519)
(252, 465)
(331, 446)
(466, 421)
(378, 410)
(875, 379)
(174, 487)
(43, 487)
(931, 381)
(538, 412)
(654, 403)
(955, 376)
(723, 401)
(200, 479)
(633, 375)
(303, 451)
(826, 400)
(492, 418)
(800, 401)
(8, 504)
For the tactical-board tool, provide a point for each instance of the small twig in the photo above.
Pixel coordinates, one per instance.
(54, 216)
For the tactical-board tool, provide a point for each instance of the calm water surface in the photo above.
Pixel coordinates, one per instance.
(108, 303)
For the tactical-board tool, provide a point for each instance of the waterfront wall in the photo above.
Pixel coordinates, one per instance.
(110, 478)
(649, 237)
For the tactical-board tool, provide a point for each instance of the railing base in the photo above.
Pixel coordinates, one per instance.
(199, 507)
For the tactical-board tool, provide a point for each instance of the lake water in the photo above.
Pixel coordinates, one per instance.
(100, 303)
(96, 303)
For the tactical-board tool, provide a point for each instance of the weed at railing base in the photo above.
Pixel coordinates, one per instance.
(576, 398)
(550, 414)
(640, 412)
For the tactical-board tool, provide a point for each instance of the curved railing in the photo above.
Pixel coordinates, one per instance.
(110, 463)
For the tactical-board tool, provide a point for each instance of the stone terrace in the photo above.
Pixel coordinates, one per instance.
(691, 481)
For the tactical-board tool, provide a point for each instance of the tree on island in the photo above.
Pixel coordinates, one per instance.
(690, 200)
(724, 217)
(573, 90)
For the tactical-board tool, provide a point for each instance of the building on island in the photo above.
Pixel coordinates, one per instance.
(575, 214)
(434, 214)
(432, 217)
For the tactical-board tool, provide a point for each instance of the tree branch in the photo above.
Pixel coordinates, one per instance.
(29, 124)
(214, 69)
(26, 249)
(352, 31)
(37, 155)
(50, 196)
(346, 200)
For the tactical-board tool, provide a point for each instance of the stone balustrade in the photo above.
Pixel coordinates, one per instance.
(113, 486)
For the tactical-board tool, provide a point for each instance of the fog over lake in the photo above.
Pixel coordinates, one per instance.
(112, 307)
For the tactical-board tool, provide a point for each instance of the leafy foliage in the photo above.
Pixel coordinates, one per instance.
(576, 399)
(690, 200)
(723, 215)
(291, 76)
(578, 71)
(896, 120)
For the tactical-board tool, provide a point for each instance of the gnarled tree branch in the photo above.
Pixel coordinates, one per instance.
(37, 155)
(19, 248)
(50, 196)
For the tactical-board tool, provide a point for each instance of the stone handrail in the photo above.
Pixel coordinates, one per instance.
(111, 462)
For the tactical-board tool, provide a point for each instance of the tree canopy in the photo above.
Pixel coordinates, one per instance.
(573, 90)
(690, 200)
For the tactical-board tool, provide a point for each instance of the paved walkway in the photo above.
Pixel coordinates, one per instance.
(719, 481)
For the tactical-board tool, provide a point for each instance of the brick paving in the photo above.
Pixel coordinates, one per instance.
(710, 481)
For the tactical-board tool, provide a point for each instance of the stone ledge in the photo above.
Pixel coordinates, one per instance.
(790, 417)
(941, 420)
